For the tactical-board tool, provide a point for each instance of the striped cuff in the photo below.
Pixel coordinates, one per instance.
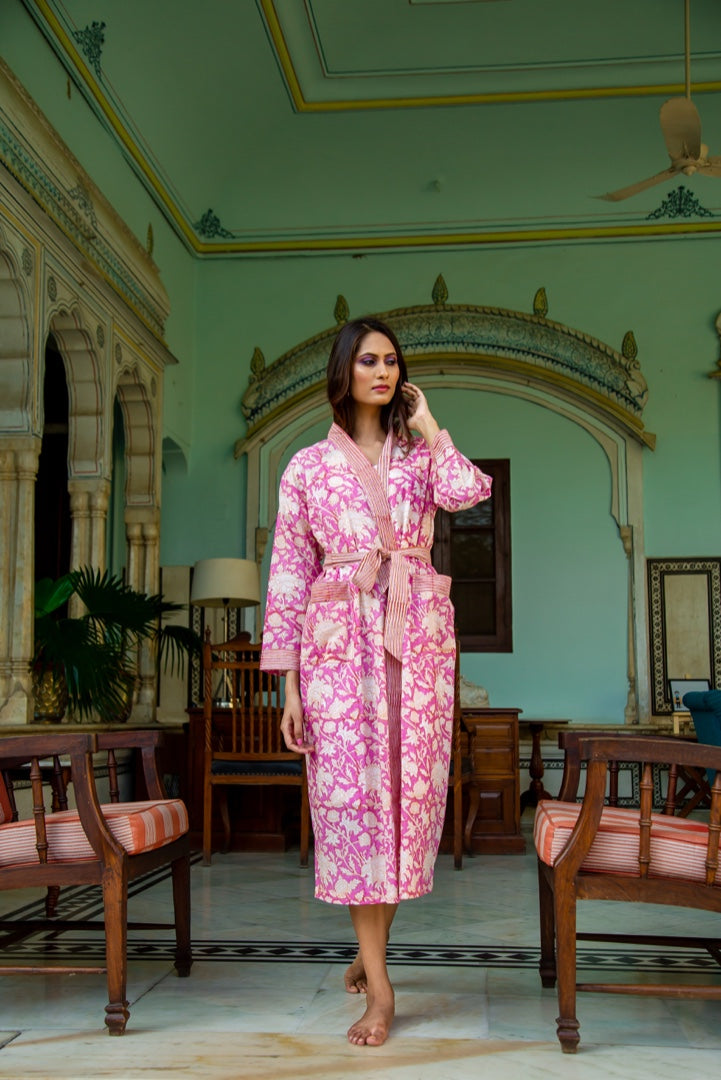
(442, 441)
(279, 660)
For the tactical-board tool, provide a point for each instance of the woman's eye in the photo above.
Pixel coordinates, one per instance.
(391, 361)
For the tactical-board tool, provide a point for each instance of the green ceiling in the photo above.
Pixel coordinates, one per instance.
(311, 125)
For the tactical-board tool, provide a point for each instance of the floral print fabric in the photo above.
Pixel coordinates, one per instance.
(380, 726)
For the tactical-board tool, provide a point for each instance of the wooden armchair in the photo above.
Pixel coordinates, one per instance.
(107, 845)
(243, 741)
(591, 851)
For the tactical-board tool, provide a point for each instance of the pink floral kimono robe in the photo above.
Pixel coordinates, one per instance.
(354, 603)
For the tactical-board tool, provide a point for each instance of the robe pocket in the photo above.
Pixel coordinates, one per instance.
(328, 621)
(430, 624)
(432, 585)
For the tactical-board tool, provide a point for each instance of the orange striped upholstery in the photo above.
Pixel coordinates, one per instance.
(138, 826)
(678, 845)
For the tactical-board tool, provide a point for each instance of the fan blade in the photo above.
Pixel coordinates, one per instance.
(681, 127)
(712, 167)
(633, 189)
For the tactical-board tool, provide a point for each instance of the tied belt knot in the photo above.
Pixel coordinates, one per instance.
(389, 568)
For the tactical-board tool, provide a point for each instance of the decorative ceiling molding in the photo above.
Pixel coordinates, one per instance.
(205, 236)
(460, 337)
(288, 31)
(680, 203)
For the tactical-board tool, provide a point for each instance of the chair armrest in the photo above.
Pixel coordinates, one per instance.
(599, 752)
(568, 742)
(147, 742)
(79, 748)
(16, 750)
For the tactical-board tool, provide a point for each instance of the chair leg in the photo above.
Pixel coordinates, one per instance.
(565, 917)
(115, 903)
(304, 822)
(181, 906)
(474, 802)
(51, 901)
(224, 816)
(207, 822)
(457, 825)
(547, 966)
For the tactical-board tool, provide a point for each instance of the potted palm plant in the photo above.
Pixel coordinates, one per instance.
(91, 660)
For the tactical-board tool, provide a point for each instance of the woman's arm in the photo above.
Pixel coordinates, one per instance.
(457, 482)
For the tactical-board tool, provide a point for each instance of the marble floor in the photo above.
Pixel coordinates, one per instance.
(265, 997)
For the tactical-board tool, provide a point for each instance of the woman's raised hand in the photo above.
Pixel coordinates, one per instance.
(420, 416)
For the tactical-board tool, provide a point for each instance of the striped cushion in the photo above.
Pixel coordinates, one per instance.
(139, 826)
(678, 845)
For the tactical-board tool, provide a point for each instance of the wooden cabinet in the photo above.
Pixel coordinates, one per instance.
(493, 824)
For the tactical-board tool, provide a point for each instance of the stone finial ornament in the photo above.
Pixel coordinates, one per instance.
(540, 303)
(629, 348)
(257, 364)
(440, 291)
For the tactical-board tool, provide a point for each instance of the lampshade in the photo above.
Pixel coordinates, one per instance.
(225, 582)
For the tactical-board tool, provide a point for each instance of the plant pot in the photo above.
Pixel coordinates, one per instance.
(50, 695)
(128, 695)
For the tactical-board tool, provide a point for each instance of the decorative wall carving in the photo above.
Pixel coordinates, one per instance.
(69, 267)
(36, 156)
(493, 338)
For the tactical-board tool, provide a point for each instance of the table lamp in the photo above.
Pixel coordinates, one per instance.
(222, 582)
(225, 583)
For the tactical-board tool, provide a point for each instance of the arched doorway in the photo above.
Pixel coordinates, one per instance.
(52, 499)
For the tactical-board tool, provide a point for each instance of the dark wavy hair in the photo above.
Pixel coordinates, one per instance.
(345, 348)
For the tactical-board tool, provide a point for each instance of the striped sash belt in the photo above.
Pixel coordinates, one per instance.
(396, 578)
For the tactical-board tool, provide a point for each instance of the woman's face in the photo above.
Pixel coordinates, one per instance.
(375, 373)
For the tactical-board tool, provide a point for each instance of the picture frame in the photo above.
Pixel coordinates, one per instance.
(684, 614)
(679, 687)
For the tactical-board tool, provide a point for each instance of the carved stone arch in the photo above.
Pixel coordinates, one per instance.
(19, 452)
(136, 405)
(492, 351)
(489, 349)
(16, 384)
(86, 450)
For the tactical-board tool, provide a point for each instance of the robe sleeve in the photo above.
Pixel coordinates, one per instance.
(295, 564)
(456, 482)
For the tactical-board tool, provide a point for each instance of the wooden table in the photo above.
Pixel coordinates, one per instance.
(536, 791)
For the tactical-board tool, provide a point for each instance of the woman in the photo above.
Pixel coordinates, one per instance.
(362, 627)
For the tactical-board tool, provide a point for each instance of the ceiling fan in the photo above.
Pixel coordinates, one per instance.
(681, 127)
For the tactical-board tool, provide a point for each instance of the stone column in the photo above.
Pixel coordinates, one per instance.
(147, 694)
(142, 532)
(99, 500)
(19, 457)
(631, 710)
(79, 536)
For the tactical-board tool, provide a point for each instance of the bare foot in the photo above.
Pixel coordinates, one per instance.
(354, 977)
(373, 1027)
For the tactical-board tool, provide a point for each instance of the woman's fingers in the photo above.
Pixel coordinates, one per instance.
(292, 729)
